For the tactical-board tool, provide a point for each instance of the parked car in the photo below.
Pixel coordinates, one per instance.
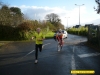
(65, 34)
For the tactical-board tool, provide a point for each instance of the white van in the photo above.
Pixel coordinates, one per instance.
(64, 34)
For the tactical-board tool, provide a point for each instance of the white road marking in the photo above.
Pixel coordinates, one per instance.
(45, 44)
(34, 50)
(88, 55)
(30, 52)
(73, 61)
(73, 49)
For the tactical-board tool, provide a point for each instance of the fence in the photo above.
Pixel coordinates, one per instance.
(94, 34)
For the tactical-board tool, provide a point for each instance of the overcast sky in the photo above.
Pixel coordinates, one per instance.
(38, 9)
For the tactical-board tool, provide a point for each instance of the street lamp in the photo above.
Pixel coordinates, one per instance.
(67, 21)
(79, 11)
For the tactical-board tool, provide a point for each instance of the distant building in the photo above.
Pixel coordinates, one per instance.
(86, 25)
(77, 26)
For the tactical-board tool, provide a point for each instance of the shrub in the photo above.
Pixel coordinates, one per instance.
(78, 31)
(25, 26)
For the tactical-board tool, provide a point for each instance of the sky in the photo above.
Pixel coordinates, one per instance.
(66, 9)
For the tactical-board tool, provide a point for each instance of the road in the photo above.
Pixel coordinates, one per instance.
(17, 58)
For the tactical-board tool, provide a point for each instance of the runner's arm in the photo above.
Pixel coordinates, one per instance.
(33, 36)
(43, 37)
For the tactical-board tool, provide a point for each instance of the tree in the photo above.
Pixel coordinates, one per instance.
(25, 26)
(5, 16)
(10, 16)
(98, 7)
(16, 10)
(55, 21)
(17, 15)
(53, 18)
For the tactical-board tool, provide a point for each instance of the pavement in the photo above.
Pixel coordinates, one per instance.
(17, 58)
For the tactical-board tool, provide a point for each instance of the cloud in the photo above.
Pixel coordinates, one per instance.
(39, 13)
(95, 22)
(35, 12)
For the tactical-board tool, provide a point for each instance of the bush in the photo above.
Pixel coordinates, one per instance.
(78, 31)
(22, 32)
(25, 26)
(6, 32)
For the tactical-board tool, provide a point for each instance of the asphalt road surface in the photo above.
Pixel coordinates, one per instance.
(17, 58)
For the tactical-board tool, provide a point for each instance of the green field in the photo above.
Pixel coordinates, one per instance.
(49, 34)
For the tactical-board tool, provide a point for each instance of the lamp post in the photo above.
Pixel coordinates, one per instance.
(67, 21)
(79, 11)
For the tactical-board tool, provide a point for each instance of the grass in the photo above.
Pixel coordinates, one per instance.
(1, 44)
(4, 42)
(49, 34)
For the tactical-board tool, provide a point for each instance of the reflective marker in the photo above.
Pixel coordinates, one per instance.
(82, 72)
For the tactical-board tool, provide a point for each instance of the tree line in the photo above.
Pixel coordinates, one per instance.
(14, 25)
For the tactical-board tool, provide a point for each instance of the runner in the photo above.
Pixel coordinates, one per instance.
(39, 37)
(59, 37)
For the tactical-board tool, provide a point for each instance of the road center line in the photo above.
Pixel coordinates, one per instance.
(34, 50)
(46, 44)
(73, 61)
(30, 52)
(73, 49)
